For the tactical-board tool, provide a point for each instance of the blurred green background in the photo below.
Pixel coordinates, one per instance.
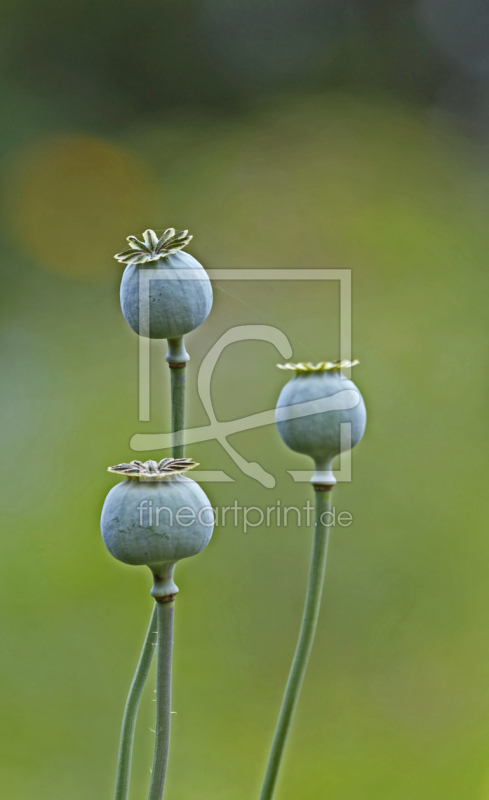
(283, 135)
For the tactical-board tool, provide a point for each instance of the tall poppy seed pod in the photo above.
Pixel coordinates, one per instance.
(156, 517)
(176, 305)
(319, 413)
(311, 410)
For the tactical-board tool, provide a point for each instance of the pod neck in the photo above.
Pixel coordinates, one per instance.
(323, 474)
(164, 588)
(177, 356)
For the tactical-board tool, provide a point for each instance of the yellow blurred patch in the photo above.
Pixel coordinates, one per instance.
(72, 200)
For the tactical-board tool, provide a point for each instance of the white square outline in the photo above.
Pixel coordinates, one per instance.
(343, 474)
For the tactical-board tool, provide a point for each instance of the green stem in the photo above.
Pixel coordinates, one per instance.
(177, 354)
(304, 644)
(131, 711)
(177, 358)
(165, 613)
(178, 380)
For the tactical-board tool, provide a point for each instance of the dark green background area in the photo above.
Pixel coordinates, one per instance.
(313, 169)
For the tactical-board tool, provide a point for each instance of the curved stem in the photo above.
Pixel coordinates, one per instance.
(165, 612)
(131, 711)
(304, 644)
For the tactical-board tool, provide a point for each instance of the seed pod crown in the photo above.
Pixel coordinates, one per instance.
(153, 248)
(321, 366)
(157, 470)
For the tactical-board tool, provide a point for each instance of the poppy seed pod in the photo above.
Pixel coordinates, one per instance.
(310, 412)
(156, 517)
(176, 305)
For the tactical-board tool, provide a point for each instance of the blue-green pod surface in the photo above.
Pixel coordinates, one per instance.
(310, 412)
(171, 307)
(156, 517)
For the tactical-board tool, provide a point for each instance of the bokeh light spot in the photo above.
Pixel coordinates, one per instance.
(72, 201)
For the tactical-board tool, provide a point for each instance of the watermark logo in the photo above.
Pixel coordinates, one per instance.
(242, 518)
(220, 431)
